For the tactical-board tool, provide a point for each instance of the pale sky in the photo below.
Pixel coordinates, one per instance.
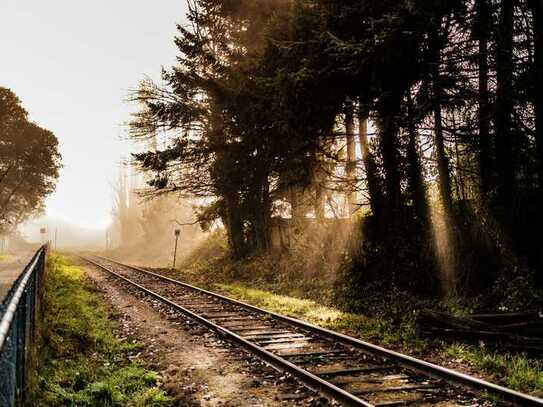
(71, 62)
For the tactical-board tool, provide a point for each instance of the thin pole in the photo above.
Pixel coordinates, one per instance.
(175, 250)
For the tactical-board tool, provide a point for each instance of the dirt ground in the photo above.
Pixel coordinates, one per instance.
(11, 268)
(196, 366)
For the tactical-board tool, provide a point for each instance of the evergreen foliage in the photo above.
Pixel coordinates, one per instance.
(445, 98)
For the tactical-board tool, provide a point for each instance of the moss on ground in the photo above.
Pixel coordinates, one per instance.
(82, 362)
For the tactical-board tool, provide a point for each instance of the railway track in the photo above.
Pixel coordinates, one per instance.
(346, 369)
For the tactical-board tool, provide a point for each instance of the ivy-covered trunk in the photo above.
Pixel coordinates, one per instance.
(388, 112)
(370, 166)
(482, 32)
(537, 11)
(504, 107)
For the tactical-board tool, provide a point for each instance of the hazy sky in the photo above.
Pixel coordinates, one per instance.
(72, 63)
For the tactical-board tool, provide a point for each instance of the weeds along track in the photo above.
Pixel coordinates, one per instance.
(348, 370)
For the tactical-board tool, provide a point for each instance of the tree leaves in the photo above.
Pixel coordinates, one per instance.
(29, 163)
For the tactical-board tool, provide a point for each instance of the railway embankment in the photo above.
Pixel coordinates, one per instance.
(288, 284)
(87, 356)
(275, 339)
(197, 368)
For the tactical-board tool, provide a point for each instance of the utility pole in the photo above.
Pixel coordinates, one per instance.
(56, 234)
(43, 231)
(177, 233)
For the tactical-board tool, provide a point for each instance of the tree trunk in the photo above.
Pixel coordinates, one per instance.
(319, 203)
(504, 107)
(264, 217)
(258, 205)
(416, 179)
(350, 167)
(537, 10)
(388, 126)
(232, 215)
(296, 210)
(370, 166)
(234, 225)
(482, 33)
(444, 178)
(319, 186)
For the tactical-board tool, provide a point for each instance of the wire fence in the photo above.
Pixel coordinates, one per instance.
(18, 333)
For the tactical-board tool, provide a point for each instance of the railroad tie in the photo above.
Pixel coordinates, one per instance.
(411, 387)
(353, 370)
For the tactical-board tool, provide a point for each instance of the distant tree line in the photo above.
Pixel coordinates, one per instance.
(146, 225)
(29, 163)
(271, 100)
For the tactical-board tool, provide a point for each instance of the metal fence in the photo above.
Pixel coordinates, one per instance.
(18, 331)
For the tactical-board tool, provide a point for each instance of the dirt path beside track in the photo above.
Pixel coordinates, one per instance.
(196, 366)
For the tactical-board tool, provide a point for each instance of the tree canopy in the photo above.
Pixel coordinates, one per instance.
(271, 100)
(29, 163)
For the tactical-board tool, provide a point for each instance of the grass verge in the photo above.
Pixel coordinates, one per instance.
(516, 371)
(82, 362)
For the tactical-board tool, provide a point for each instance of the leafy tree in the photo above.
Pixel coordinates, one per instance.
(29, 163)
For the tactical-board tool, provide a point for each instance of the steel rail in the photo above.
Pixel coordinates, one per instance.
(11, 309)
(427, 368)
(312, 381)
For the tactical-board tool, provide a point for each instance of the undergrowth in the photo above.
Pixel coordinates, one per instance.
(82, 362)
(377, 312)
(289, 273)
(296, 284)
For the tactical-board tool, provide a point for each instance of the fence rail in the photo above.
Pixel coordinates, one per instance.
(18, 331)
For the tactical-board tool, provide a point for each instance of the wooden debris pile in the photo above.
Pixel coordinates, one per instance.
(521, 332)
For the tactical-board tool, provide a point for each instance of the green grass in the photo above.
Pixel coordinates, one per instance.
(516, 371)
(82, 361)
(328, 317)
